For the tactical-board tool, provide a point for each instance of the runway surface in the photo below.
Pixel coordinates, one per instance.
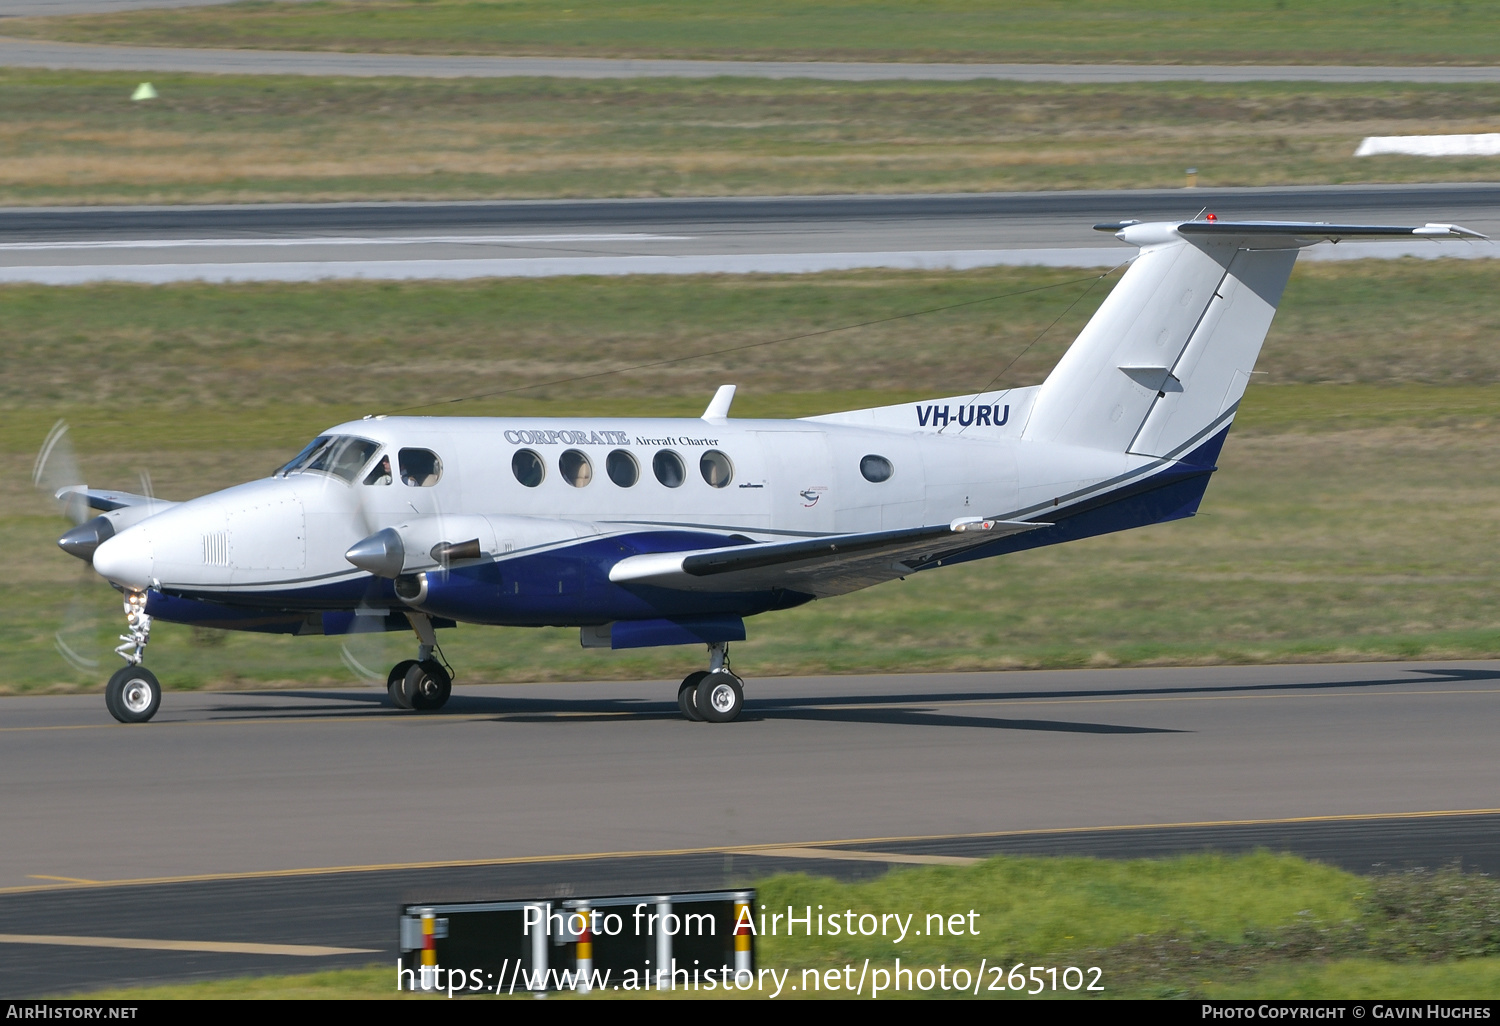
(25, 53)
(691, 235)
(233, 817)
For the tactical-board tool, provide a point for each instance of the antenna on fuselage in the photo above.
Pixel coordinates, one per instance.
(718, 406)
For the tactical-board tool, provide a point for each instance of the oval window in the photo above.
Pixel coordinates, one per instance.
(876, 468)
(622, 468)
(576, 468)
(420, 468)
(528, 468)
(716, 468)
(668, 468)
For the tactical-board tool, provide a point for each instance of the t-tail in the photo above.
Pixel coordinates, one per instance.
(1160, 368)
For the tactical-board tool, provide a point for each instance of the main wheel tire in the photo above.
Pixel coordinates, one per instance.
(720, 697)
(427, 686)
(687, 695)
(133, 694)
(395, 682)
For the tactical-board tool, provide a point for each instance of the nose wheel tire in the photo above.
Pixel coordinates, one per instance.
(133, 694)
(395, 681)
(687, 696)
(426, 686)
(720, 697)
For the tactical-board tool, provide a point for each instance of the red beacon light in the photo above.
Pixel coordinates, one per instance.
(1213, 217)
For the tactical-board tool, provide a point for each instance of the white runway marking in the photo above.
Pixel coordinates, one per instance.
(737, 263)
(340, 240)
(1482, 145)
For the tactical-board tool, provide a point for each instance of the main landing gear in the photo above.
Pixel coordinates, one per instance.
(133, 694)
(423, 683)
(716, 694)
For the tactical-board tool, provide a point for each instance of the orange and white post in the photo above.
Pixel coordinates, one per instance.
(742, 935)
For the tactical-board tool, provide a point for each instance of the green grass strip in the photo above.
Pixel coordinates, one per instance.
(1148, 31)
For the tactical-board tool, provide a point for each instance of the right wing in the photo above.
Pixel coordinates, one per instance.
(107, 500)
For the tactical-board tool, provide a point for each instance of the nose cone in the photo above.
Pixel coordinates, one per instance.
(382, 554)
(84, 540)
(126, 559)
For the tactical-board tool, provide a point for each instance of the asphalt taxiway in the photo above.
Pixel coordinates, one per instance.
(773, 234)
(302, 818)
(37, 53)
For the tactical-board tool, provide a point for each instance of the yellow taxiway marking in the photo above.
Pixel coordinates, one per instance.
(751, 849)
(64, 879)
(143, 944)
(841, 855)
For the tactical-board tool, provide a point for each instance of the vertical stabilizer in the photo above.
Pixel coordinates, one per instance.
(1166, 358)
(1187, 319)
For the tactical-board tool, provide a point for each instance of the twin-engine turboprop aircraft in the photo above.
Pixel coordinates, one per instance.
(671, 532)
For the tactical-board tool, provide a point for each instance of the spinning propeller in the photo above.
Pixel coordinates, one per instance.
(56, 474)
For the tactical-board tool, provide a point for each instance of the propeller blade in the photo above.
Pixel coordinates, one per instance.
(56, 473)
(364, 647)
(358, 668)
(79, 633)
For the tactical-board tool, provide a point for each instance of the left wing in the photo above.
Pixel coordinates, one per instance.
(816, 566)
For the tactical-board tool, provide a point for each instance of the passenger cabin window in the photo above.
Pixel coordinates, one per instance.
(528, 468)
(343, 456)
(420, 468)
(876, 469)
(669, 469)
(576, 468)
(716, 468)
(622, 468)
(381, 474)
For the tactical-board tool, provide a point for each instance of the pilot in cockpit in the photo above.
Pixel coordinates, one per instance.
(381, 475)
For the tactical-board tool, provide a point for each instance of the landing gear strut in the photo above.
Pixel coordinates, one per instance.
(423, 683)
(716, 694)
(133, 694)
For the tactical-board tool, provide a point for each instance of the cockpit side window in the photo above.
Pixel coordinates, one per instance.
(420, 468)
(340, 455)
(380, 474)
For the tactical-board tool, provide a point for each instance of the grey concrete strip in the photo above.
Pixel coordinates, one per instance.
(1021, 211)
(222, 947)
(25, 53)
(738, 263)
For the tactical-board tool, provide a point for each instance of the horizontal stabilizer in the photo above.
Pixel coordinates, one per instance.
(816, 566)
(1313, 231)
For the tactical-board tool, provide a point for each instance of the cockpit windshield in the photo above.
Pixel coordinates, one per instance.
(339, 455)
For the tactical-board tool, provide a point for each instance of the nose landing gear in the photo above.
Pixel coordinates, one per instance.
(133, 694)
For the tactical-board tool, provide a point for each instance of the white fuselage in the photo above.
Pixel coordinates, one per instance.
(786, 479)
